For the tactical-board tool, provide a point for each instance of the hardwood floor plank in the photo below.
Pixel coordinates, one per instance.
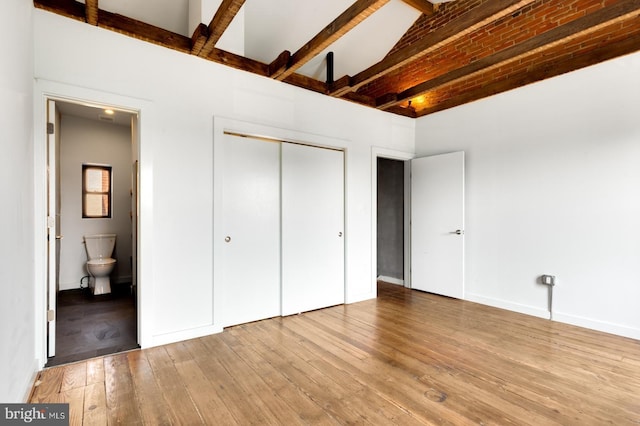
(407, 358)
(154, 410)
(122, 407)
(210, 406)
(75, 376)
(229, 374)
(173, 388)
(95, 370)
(75, 398)
(95, 404)
(301, 404)
(158, 358)
(261, 380)
(178, 353)
(47, 386)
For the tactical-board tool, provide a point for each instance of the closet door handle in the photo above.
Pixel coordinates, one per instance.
(339, 234)
(227, 239)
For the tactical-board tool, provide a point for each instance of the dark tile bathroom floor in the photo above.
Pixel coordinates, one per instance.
(88, 326)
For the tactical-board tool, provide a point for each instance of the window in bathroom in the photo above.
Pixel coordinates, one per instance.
(96, 191)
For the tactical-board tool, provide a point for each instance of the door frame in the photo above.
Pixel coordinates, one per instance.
(404, 156)
(45, 90)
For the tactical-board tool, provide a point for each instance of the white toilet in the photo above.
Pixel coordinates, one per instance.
(100, 265)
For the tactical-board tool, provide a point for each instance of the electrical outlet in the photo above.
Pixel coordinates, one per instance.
(548, 280)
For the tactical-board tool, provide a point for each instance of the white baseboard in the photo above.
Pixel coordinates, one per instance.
(510, 306)
(178, 336)
(606, 327)
(391, 280)
(30, 383)
(359, 298)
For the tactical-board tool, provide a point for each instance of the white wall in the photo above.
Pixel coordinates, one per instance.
(17, 309)
(553, 187)
(181, 94)
(89, 141)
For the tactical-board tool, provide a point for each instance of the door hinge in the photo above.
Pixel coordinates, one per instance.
(51, 315)
(50, 128)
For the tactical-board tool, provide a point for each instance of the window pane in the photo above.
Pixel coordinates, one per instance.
(97, 180)
(96, 191)
(96, 205)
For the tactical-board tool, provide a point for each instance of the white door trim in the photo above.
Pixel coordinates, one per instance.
(377, 152)
(44, 90)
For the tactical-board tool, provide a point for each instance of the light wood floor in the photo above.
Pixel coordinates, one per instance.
(406, 358)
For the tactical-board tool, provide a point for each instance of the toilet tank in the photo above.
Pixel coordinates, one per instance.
(100, 246)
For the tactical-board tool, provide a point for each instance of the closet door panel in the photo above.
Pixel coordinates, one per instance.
(312, 228)
(251, 222)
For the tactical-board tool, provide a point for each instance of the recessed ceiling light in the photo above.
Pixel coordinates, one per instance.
(108, 111)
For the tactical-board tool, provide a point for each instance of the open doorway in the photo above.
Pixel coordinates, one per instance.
(390, 221)
(88, 323)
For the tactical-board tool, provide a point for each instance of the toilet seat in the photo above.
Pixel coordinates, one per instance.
(101, 262)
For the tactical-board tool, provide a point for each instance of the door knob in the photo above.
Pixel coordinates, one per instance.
(227, 239)
(59, 237)
(458, 232)
(339, 234)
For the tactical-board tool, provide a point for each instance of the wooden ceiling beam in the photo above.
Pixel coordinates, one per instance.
(351, 17)
(68, 8)
(455, 29)
(307, 83)
(541, 71)
(199, 38)
(609, 15)
(239, 62)
(91, 11)
(143, 31)
(424, 6)
(219, 23)
(280, 63)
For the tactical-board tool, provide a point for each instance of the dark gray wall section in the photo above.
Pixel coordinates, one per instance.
(390, 218)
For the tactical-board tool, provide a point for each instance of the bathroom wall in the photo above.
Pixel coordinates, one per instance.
(89, 141)
(18, 317)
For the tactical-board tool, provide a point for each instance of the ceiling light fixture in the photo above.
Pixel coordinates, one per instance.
(109, 111)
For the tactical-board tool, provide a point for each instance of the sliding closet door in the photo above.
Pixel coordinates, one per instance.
(312, 228)
(251, 230)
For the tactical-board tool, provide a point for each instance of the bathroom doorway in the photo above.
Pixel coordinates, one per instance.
(82, 325)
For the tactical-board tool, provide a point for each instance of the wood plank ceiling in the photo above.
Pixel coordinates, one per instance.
(455, 52)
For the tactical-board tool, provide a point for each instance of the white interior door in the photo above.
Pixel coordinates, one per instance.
(437, 224)
(52, 229)
(251, 224)
(312, 228)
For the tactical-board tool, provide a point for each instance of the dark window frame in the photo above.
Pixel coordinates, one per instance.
(86, 192)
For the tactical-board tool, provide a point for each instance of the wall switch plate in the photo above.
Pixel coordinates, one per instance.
(548, 280)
